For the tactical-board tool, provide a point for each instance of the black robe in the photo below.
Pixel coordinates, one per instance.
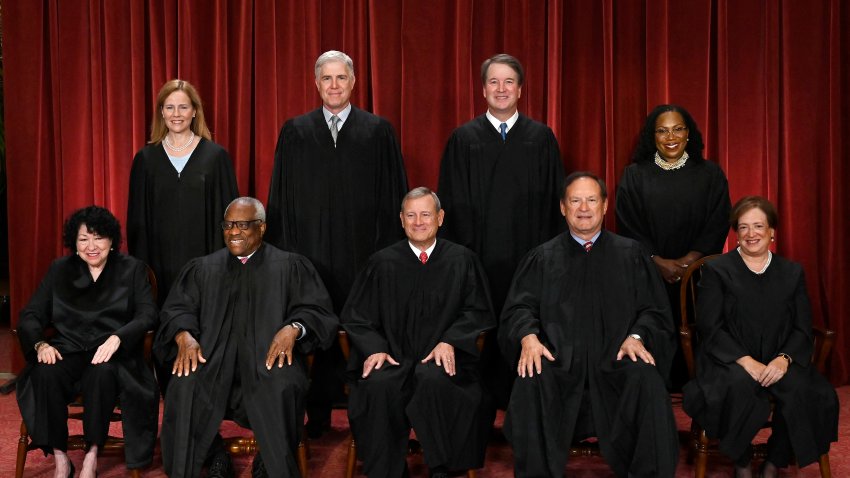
(582, 306)
(404, 308)
(674, 212)
(742, 313)
(173, 217)
(234, 310)
(336, 205)
(501, 197)
(85, 313)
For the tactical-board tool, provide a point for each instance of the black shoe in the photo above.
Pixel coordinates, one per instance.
(258, 469)
(221, 466)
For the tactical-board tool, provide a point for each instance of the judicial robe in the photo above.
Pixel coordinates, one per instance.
(234, 311)
(501, 197)
(405, 308)
(173, 217)
(85, 313)
(336, 205)
(743, 313)
(582, 306)
(674, 212)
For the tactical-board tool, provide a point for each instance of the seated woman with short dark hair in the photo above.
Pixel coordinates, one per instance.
(100, 304)
(755, 342)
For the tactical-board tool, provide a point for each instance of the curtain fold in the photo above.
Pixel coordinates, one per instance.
(767, 82)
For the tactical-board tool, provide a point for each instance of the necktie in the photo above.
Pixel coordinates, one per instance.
(334, 127)
(243, 259)
(423, 256)
(504, 129)
(588, 246)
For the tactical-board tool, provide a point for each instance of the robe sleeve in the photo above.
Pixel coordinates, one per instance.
(800, 342)
(475, 315)
(36, 316)
(137, 212)
(180, 312)
(716, 227)
(717, 341)
(521, 314)
(455, 194)
(310, 304)
(144, 308)
(555, 178)
(392, 186)
(653, 321)
(631, 218)
(226, 190)
(361, 317)
(276, 204)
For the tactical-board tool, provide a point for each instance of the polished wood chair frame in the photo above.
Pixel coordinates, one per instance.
(700, 447)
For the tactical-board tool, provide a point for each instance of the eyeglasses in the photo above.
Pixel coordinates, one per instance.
(242, 225)
(678, 131)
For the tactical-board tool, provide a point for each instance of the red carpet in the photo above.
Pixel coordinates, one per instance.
(328, 454)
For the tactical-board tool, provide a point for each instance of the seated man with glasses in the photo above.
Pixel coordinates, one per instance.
(237, 326)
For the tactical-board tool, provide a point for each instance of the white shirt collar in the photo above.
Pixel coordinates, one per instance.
(428, 251)
(248, 256)
(496, 121)
(343, 115)
(582, 241)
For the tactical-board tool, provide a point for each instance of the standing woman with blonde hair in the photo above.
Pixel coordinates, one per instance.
(180, 184)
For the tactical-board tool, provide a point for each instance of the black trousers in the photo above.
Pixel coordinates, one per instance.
(57, 385)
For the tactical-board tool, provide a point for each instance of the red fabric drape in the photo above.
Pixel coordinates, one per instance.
(766, 81)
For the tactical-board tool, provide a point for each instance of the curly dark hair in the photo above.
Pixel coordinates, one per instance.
(645, 149)
(98, 220)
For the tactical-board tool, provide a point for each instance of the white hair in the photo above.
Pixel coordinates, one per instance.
(249, 201)
(333, 55)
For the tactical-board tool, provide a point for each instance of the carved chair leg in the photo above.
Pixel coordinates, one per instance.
(21, 459)
(352, 459)
(135, 473)
(823, 463)
(302, 458)
(701, 462)
(471, 473)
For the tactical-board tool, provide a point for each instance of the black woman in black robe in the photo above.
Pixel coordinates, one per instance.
(755, 342)
(100, 305)
(674, 202)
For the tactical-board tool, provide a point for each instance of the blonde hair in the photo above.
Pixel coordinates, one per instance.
(198, 126)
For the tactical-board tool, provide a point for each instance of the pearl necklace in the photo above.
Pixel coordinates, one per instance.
(766, 263)
(670, 166)
(180, 148)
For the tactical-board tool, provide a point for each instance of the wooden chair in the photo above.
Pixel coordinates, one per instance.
(247, 445)
(700, 446)
(113, 445)
(351, 464)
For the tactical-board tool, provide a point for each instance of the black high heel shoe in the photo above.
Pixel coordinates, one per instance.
(71, 469)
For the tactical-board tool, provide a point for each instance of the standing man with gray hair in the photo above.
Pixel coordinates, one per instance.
(334, 195)
(500, 179)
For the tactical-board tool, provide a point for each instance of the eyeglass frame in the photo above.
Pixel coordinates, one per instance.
(241, 225)
(677, 131)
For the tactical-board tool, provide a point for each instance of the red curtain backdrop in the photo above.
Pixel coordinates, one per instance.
(768, 83)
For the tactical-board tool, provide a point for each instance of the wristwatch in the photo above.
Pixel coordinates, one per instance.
(786, 357)
(38, 345)
(636, 337)
(301, 329)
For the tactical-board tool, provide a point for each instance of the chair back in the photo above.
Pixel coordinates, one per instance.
(687, 302)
